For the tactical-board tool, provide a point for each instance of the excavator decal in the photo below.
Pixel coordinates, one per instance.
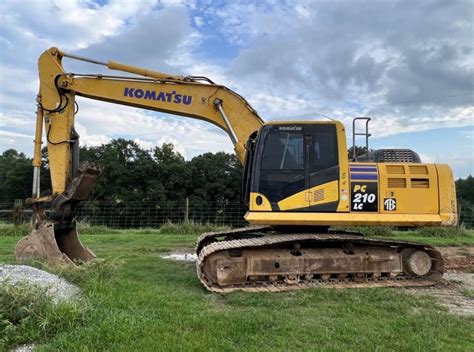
(364, 187)
(160, 96)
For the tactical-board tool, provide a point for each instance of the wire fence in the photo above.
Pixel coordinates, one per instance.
(140, 214)
(153, 214)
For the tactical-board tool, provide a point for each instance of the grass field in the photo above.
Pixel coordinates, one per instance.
(136, 300)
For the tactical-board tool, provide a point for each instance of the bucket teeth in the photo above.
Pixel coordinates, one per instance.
(61, 247)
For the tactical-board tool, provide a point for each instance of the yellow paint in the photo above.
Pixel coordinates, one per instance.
(265, 206)
(58, 124)
(410, 200)
(344, 186)
(306, 198)
(447, 194)
(346, 219)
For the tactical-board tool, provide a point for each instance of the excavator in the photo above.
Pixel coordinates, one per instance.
(299, 188)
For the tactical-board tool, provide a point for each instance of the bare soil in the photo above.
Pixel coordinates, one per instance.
(458, 259)
(456, 289)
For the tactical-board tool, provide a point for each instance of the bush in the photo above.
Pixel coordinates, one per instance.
(27, 314)
(190, 228)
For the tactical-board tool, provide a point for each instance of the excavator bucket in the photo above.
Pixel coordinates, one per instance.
(54, 239)
(60, 247)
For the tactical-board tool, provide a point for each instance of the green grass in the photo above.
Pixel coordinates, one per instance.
(27, 315)
(151, 304)
(468, 293)
(84, 228)
(10, 230)
(436, 236)
(466, 240)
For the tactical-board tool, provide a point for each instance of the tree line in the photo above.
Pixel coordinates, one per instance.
(160, 174)
(134, 174)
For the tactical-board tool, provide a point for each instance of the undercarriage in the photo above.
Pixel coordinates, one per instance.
(265, 259)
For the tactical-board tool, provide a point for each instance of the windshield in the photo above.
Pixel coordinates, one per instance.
(283, 150)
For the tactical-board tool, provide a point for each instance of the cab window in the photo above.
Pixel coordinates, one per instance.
(283, 150)
(323, 150)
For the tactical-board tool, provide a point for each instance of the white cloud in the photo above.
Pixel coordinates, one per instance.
(409, 71)
(76, 24)
(199, 21)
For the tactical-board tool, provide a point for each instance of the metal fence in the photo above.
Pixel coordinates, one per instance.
(154, 214)
(140, 214)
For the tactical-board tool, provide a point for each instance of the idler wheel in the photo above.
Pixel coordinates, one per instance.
(416, 262)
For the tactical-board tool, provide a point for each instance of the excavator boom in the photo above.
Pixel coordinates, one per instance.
(194, 97)
(54, 238)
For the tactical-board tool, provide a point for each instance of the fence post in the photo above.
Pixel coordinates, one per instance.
(459, 208)
(186, 210)
(17, 212)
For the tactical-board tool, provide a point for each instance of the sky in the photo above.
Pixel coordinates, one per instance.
(406, 64)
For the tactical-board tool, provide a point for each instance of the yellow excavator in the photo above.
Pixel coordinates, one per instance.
(298, 182)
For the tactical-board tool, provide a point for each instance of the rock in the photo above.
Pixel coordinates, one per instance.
(24, 348)
(55, 286)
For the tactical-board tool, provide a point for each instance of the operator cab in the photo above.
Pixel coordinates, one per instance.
(289, 159)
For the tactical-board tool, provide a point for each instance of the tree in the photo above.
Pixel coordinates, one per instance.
(359, 151)
(16, 176)
(128, 170)
(216, 177)
(173, 175)
(465, 190)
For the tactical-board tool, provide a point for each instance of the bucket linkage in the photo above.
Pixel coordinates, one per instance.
(54, 239)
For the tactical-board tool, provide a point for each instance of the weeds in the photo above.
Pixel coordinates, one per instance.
(387, 231)
(442, 231)
(93, 273)
(85, 228)
(28, 315)
(10, 230)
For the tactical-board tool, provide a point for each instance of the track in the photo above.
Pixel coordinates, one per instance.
(245, 253)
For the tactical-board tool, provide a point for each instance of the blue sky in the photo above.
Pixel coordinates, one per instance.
(408, 65)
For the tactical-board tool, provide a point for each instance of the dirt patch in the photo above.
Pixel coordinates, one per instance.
(450, 292)
(458, 281)
(449, 252)
(461, 264)
(458, 259)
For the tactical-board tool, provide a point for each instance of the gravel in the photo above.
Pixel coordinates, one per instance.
(450, 294)
(186, 257)
(55, 286)
(24, 348)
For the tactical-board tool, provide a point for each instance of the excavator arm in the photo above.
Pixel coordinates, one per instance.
(54, 238)
(195, 97)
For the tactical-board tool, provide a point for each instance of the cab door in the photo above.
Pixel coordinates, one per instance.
(323, 168)
(281, 175)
